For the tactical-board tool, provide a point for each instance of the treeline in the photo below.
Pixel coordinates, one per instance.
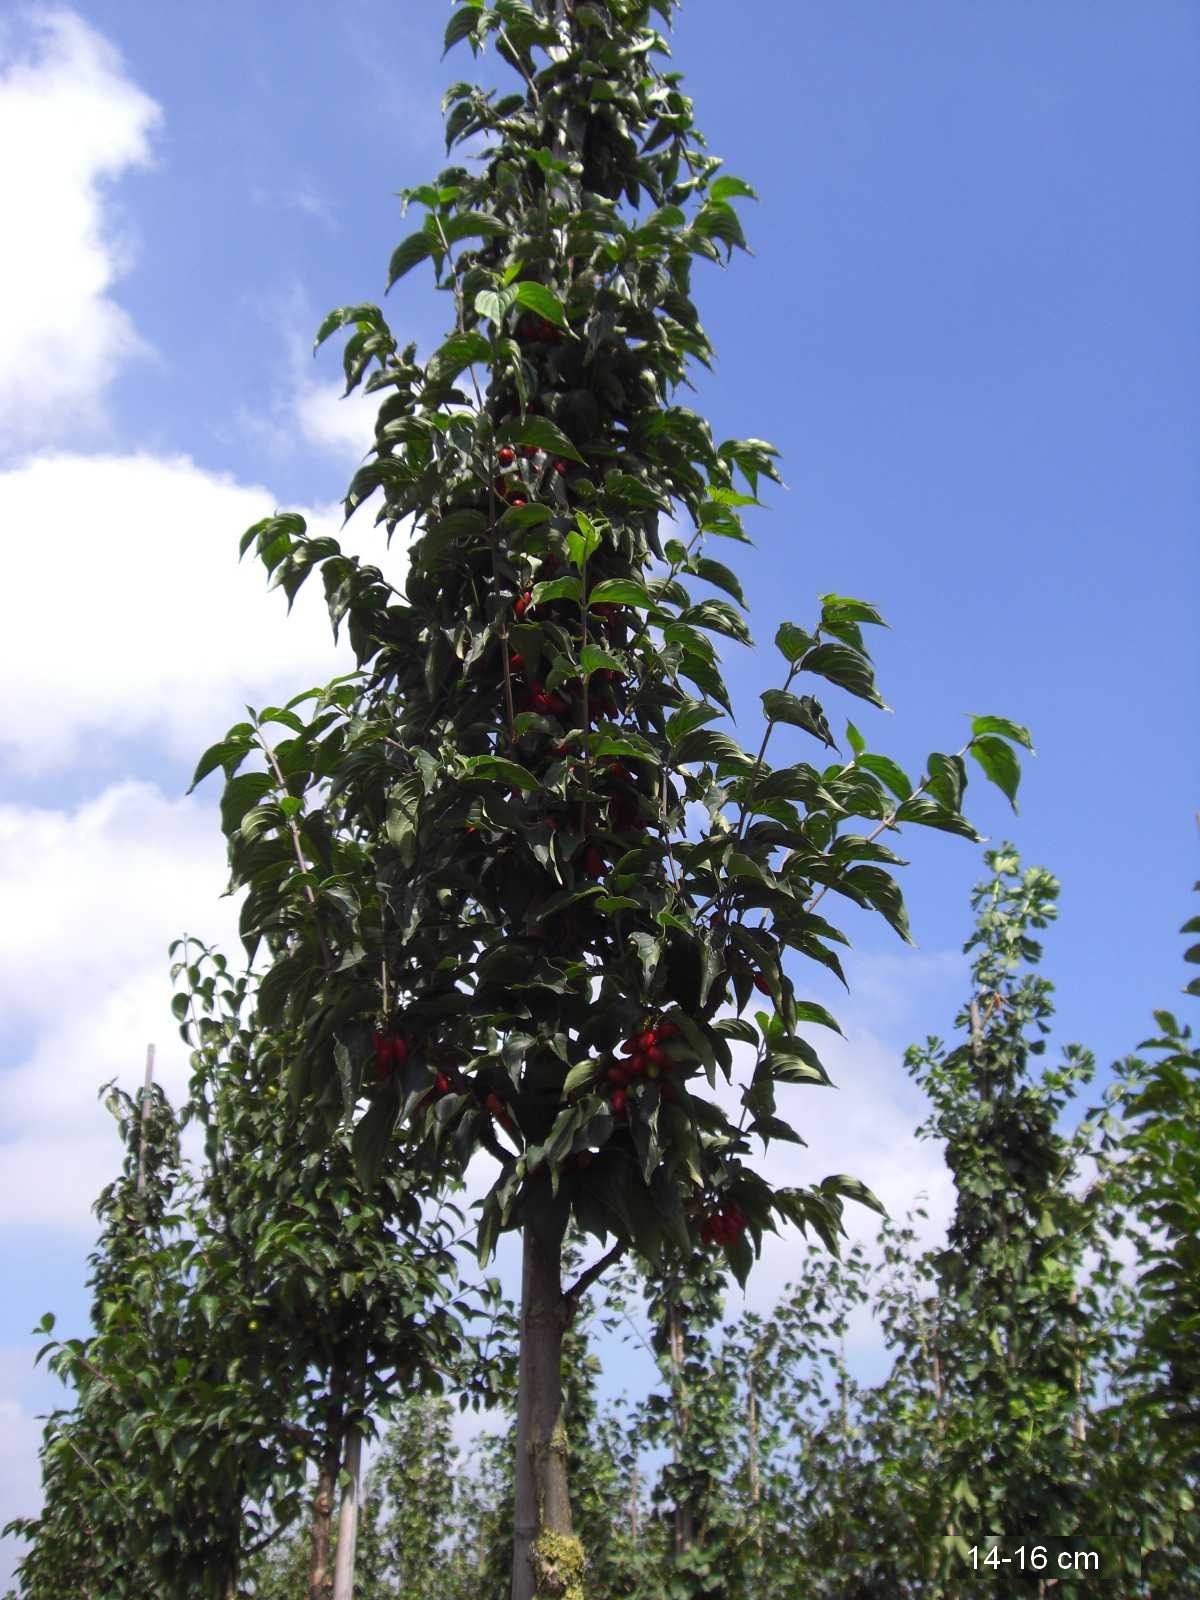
(255, 1320)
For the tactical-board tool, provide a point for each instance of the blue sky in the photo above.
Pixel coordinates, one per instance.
(970, 325)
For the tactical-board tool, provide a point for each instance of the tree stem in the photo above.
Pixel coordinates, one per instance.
(543, 1504)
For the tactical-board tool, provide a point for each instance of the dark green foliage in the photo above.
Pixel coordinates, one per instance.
(479, 837)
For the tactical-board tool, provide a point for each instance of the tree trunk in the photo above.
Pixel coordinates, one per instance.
(752, 1462)
(685, 1511)
(547, 1559)
(320, 1577)
(343, 1574)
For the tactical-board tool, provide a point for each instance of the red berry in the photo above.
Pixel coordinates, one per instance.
(561, 468)
(617, 1075)
(529, 451)
(619, 1102)
(761, 984)
(505, 456)
(556, 705)
(522, 603)
(645, 1040)
(594, 864)
(659, 1058)
(666, 1030)
(518, 501)
(516, 663)
(638, 1062)
(442, 1083)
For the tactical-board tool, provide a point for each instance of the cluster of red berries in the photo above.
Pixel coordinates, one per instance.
(723, 1227)
(645, 1058)
(594, 864)
(496, 1106)
(391, 1052)
(537, 699)
(537, 330)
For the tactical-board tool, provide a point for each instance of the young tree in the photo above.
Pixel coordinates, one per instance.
(475, 858)
(342, 1297)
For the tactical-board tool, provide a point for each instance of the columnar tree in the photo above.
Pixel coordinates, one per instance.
(511, 856)
(162, 1474)
(342, 1298)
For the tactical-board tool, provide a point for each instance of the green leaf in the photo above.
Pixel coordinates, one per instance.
(544, 302)
(581, 1075)
(1005, 728)
(708, 745)
(226, 753)
(797, 1062)
(520, 517)
(999, 764)
(455, 354)
(727, 187)
(372, 1139)
(715, 572)
(946, 779)
(241, 795)
(792, 640)
(473, 225)
(495, 769)
(620, 592)
(407, 255)
(847, 1188)
(845, 667)
(593, 659)
(839, 608)
(557, 589)
(649, 951)
(457, 525)
(463, 22)
(495, 304)
(542, 434)
(810, 1011)
(888, 772)
(800, 711)
(343, 315)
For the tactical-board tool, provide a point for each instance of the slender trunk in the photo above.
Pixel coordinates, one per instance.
(685, 1511)
(227, 1584)
(547, 1559)
(752, 1464)
(343, 1573)
(320, 1573)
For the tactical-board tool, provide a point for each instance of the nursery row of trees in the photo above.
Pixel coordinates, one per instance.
(512, 887)
(257, 1318)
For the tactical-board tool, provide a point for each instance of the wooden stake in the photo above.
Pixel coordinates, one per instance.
(146, 1088)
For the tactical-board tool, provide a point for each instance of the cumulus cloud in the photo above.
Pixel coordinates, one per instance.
(141, 622)
(93, 898)
(308, 408)
(71, 122)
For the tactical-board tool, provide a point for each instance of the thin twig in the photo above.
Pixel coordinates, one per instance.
(293, 828)
(586, 1279)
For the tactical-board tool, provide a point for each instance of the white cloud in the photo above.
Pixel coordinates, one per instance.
(71, 122)
(309, 408)
(138, 620)
(93, 898)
